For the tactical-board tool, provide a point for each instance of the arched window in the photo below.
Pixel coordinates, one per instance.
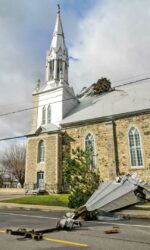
(135, 147)
(43, 115)
(41, 150)
(89, 145)
(49, 114)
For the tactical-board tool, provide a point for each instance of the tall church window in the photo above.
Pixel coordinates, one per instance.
(135, 147)
(51, 68)
(49, 114)
(41, 151)
(90, 145)
(43, 115)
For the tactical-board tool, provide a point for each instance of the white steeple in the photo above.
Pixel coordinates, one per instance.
(57, 57)
(56, 98)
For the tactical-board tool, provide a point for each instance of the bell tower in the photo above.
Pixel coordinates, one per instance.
(55, 98)
(57, 57)
(52, 101)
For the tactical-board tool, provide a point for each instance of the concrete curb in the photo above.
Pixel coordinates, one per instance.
(143, 207)
(35, 207)
(131, 213)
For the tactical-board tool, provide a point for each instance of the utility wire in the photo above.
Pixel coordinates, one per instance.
(131, 77)
(73, 98)
(26, 109)
(14, 137)
(19, 136)
(112, 83)
(25, 135)
(128, 83)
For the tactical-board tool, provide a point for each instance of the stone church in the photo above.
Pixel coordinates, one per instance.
(115, 121)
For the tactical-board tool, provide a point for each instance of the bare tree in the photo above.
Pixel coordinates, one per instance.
(13, 160)
(2, 173)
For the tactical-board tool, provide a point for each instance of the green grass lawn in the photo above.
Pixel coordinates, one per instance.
(49, 200)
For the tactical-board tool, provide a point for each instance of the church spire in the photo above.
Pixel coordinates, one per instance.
(57, 57)
(58, 35)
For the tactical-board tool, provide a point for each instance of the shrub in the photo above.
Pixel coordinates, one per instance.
(82, 180)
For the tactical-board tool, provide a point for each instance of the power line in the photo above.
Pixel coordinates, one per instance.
(27, 109)
(26, 135)
(19, 136)
(73, 98)
(112, 83)
(128, 83)
(131, 77)
(14, 137)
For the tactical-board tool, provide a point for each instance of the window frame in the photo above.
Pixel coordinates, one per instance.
(135, 148)
(41, 151)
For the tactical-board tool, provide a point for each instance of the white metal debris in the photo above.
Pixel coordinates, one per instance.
(113, 195)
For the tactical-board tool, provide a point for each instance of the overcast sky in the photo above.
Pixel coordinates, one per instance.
(104, 38)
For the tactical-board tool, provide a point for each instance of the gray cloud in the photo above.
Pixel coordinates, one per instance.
(26, 29)
(110, 39)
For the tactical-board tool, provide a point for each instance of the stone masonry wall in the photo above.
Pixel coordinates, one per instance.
(102, 133)
(142, 123)
(111, 144)
(112, 148)
(51, 165)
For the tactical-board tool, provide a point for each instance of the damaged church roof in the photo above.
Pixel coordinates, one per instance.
(127, 99)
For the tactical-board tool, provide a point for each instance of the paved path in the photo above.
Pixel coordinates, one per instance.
(6, 194)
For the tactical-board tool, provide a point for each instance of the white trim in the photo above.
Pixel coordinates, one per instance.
(135, 167)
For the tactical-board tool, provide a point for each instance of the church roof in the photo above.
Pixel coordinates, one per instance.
(130, 98)
(46, 128)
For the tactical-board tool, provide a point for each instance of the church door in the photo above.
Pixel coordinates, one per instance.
(40, 179)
